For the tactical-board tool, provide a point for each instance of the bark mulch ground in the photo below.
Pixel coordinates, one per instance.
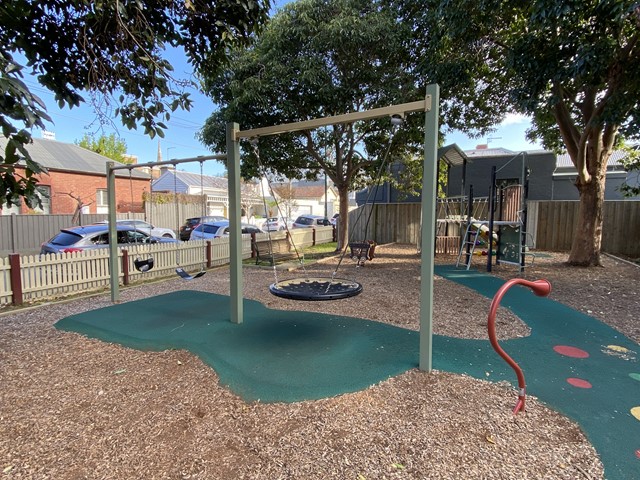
(73, 408)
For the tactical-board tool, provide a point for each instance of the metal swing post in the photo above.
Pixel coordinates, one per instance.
(235, 236)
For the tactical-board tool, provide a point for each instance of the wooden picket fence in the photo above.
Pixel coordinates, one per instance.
(34, 278)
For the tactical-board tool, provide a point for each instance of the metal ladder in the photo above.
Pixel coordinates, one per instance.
(469, 241)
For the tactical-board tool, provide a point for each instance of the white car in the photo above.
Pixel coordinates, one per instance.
(209, 231)
(274, 224)
(147, 228)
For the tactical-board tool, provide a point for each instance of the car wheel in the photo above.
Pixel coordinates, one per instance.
(167, 235)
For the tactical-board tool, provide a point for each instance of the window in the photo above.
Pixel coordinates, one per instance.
(44, 194)
(101, 198)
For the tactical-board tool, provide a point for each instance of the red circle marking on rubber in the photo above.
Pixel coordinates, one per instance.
(578, 382)
(568, 351)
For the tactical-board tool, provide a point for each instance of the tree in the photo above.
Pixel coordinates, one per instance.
(573, 67)
(105, 48)
(286, 200)
(315, 58)
(110, 146)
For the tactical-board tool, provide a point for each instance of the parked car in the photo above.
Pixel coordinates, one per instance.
(208, 231)
(76, 239)
(273, 224)
(191, 223)
(147, 228)
(334, 220)
(310, 221)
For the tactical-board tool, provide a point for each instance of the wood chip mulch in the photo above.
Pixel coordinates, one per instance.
(76, 408)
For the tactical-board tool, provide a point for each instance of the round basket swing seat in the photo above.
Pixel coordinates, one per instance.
(317, 288)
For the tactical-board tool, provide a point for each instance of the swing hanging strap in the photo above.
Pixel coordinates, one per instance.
(180, 271)
(139, 264)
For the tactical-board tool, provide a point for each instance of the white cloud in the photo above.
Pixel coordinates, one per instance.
(514, 119)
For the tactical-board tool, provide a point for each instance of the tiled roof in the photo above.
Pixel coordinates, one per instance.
(55, 155)
(310, 191)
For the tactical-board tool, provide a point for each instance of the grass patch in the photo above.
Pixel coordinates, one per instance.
(313, 253)
(320, 251)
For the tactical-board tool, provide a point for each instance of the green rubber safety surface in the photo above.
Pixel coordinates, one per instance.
(572, 362)
(274, 356)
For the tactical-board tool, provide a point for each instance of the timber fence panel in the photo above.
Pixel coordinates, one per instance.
(62, 274)
(6, 294)
(556, 223)
(324, 234)
(302, 237)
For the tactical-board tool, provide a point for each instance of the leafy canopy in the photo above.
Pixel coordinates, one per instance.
(316, 58)
(108, 145)
(572, 66)
(111, 51)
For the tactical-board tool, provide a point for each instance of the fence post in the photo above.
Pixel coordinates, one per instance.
(125, 267)
(16, 279)
(314, 236)
(209, 253)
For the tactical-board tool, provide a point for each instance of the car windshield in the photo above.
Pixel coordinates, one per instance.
(65, 239)
(305, 221)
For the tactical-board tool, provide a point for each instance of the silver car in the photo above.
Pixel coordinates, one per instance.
(76, 239)
(209, 231)
(146, 227)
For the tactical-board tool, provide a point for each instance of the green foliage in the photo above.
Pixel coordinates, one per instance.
(575, 62)
(18, 103)
(112, 50)
(573, 67)
(108, 145)
(315, 58)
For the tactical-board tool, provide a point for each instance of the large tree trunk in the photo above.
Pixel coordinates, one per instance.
(587, 238)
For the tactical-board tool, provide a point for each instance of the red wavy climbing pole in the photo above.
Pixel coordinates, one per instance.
(542, 288)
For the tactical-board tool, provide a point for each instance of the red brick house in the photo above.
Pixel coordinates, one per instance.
(77, 179)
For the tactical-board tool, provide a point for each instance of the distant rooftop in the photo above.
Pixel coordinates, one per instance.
(564, 160)
(61, 156)
(485, 151)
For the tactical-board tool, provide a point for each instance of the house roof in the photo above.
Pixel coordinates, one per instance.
(564, 161)
(60, 156)
(304, 189)
(171, 180)
(452, 155)
(488, 152)
(308, 191)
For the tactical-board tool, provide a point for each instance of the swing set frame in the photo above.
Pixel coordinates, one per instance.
(430, 105)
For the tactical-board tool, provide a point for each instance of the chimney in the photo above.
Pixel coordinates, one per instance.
(482, 146)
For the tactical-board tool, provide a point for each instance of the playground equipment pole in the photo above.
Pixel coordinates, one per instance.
(492, 208)
(542, 288)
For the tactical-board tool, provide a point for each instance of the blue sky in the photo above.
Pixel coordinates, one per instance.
(71, 124)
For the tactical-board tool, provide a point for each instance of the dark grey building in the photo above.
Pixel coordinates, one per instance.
(565, 174)
(510, 169)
